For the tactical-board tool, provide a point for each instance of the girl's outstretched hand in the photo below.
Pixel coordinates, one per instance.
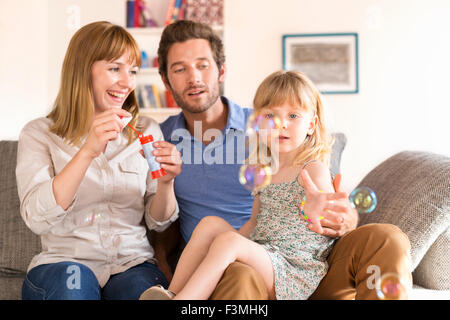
(315, 202)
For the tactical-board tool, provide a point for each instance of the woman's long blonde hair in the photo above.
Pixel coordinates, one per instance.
(297, 89)
(73, 108)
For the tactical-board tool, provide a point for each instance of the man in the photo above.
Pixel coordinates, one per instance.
(207, 132)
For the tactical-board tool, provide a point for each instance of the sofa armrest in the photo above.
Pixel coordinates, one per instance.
(340, 141)
(18, 244)
(413, 192)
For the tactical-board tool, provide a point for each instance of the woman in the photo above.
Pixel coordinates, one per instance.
(83, 185)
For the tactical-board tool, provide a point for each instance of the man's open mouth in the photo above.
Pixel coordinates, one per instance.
(196, 92)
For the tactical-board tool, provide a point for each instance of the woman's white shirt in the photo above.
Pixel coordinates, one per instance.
(103, 228)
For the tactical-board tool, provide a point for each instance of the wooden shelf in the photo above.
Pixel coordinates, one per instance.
(157, 31)
(149, 71)
(159, 111)
(159, 114)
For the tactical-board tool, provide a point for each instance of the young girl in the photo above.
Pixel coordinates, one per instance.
(276, 241)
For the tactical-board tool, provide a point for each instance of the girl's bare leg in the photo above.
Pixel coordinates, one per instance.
(196, 249)
(226, 248)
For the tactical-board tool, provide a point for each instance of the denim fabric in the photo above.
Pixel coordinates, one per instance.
(74, 281)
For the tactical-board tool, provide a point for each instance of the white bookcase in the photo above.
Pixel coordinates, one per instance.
(148, 41)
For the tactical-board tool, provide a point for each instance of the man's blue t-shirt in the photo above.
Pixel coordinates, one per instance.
(208, 184)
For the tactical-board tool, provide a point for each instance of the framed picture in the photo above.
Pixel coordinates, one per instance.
(330, 60)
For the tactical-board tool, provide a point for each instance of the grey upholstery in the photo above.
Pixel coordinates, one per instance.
(340, 141)
(419, 180)
(413, 192)
(18, 244)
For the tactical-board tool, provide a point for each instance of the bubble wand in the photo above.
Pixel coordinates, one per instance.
(147, 146)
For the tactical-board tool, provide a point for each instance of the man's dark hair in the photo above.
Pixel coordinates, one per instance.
(183, 30)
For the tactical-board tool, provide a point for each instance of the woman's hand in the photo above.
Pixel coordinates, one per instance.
(164, 202)
(105, 127)
(169, 157)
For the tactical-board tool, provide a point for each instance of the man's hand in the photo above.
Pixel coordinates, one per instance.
(341, 217)
(338, 215)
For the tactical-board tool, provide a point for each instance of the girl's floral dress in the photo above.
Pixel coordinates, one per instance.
(298, 254)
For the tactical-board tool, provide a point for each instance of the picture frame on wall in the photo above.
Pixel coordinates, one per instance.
(330, 60)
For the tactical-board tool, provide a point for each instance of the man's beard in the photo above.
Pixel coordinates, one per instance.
(213, 95)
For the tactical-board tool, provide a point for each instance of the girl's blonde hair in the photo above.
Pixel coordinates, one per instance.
(73, 108)
(297, 89)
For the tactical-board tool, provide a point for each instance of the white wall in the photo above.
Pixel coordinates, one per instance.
(65, 17)
(23, 64)
(34, 35)
(404, 67)
(404, 49)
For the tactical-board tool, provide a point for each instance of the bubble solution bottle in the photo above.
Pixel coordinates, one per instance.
(147, 146)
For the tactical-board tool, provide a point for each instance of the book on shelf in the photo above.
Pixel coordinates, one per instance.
(157, 96)
(182, 10)
(175, 11)
(146, 14)
(130, 14)
(142, 98)
(149, 97)
(139, 14)
(170, 10)
(170, 101)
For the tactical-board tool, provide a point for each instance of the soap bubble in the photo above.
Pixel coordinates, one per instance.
(391, 287)
(256, 123)
(255, 176)
(92, 218)
(363, 199)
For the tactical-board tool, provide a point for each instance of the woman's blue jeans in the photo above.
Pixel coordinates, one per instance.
(74, 281)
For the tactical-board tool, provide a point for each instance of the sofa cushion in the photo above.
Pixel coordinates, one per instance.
(11, 288)
(413, 192)
(434, 269)
(18, 244)
(340, 140)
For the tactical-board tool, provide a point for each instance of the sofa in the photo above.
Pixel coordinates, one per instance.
(412, 188)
